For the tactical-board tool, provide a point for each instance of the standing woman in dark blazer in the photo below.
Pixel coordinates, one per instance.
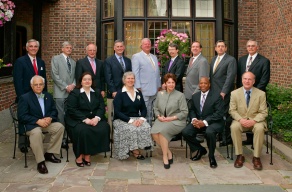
(171, 111)
(131, 130)
(85, 118)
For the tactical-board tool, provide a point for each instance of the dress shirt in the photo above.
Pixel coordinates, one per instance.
(221, 57)
(245, 95)
(149, 55)
(206, 94)
(31, 59)
(42, 103)
(88, 96)
(248, 58)
(118, 58)
(89, 59)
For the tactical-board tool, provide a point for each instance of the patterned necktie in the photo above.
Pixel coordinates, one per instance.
(249, 64)
(170, 64)
(92, 65)
(247, 97)
(35, 67)
(191, 61)
(69, 65)
(41, 95)
(122, 63)
(153, 65)
(216, 64)
(202, 101)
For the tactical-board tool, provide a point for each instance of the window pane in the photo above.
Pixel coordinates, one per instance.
(154, 30)
(134, 8)
(181, 8)
(182, 27)
(157, 8)
(108, 40)
(204, 8)
(134, 33)
(205, 34)
(227, 9)
(228, 31)
(108, 7)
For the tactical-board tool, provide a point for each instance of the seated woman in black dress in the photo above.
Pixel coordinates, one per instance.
(131, 131)
(86, 121)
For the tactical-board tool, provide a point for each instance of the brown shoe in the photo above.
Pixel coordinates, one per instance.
(239, 161)
(257, 164)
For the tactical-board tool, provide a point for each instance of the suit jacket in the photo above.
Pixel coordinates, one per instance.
(146, 77)
(199, 69)
(171, 104)
(256, 110)
(61, 75)
(260, 67)
(177, 68)
(29, 110)
(114, 73)
(80, 108)
(125, 108)
(213, 109)
(23, 72)
(83, 65)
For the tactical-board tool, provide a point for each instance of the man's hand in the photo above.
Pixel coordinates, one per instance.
(247, 123)
(114, 94)
(70, 88)
(102, 93)
(163, 86)
(198, 123)
(48, 120)
(43, 123)
(222, 95)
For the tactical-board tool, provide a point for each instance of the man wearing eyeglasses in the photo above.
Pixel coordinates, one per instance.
(37, 113)
(259, 66)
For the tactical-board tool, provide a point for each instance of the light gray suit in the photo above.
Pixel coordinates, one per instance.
(200, 68)
(62, 78)
(147, 78)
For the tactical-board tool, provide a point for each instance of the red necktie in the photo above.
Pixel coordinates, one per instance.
(92, 65)
(35, 67)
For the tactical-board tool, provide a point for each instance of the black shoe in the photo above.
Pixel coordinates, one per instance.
(170, 161)
(199, 154)
(79, 164)
(23, 149)
(42, 169)
(51, 157)
(246, 142)
(65, 144)
(87, 163)
(166, 166)
(213, 163)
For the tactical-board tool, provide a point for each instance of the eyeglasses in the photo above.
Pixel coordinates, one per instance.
(251, 46)
(38, 85)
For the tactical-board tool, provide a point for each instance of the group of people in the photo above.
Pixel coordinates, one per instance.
(136, 94)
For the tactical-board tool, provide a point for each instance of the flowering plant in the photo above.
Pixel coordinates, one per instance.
(6, 11)
(4, 65)
(169, 36)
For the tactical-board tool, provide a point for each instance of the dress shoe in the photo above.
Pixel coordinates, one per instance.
(213, 163)
(65, 144)
(199, 154)
(51, 157)
(87, 163)
(257, 164)
(247, 142)
(42, 169)
(239, 161)
(23, 149)
(166, 166)
(170, 161)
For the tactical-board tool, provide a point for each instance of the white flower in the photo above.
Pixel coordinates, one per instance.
(138, 97)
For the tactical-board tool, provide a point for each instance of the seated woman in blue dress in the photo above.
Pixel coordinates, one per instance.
(86, 121)
(131, 130)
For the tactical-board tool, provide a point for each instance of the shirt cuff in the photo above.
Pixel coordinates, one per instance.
(131, 121)
(194, 119)
(98, 118)
(142, 118)
(206, 123)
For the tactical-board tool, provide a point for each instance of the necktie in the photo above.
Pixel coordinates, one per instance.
(122, 63)
(41, 95)
(202, 101)
(191, 61)
(35, 67)
(170, 64)
(216, 64)
(153, 65)
(249, 63)
(92, 65)
(69, 65)
(247, 97)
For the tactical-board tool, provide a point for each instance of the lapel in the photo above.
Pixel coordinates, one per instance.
(29, 64)
(85, 98)
(46, 103)
(252, 98)
(220, 63)
(146, 58)
(243, 66)
(36, 103)
(197, 102)
(40, 66)
(117, 62)
(242, 99)
(206, 104)
(64, 63)
(88, 65)
(255, 61)
(194, 64)
(173, 64)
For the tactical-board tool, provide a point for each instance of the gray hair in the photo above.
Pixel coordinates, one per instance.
(32, 40)
(119, 41)
(145, 39)
(36, 77)
(253, 41)
(66, 43)
(129, 73)
(91, 44)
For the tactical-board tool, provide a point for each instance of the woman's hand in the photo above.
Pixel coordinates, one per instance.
(166, 119)
(138, 122)
(87, 121)
(94, 121)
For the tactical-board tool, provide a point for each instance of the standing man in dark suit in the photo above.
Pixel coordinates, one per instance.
(92, 65)
(36, 110)
(175, 66)
(259, 66)
(63, 75)
(223, 69)
(25, 68)
(198, 67)
(207, 114)
(115, 67)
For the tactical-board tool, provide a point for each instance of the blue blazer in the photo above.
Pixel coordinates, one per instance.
(23, 72)
(29, 110)
(114, 73)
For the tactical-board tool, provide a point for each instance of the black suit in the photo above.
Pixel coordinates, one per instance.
(23, 72)
(260, 67)
(213, 113)
(114, 73)
(177, 68)
(83, 65)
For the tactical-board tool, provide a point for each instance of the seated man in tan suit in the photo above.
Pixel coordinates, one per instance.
(37, 111)
(248, 109)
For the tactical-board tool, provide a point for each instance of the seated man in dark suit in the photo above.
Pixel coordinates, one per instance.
(37, 111)
(206, 113)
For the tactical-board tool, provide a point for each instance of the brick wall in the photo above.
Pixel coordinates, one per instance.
(7, 93)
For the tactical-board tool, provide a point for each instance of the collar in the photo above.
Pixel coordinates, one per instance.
(247, 90)
(146, 53)
(40, 95)
(65, 56)
(124, 89)
(221, 57)
(82, 90)
(253, 57)
(89, 59)
(173, 58)
(31, 57)
(206, 93)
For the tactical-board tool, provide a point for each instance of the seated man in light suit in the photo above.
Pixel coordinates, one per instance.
(206, 112)
(248, 109)
(37, 111)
